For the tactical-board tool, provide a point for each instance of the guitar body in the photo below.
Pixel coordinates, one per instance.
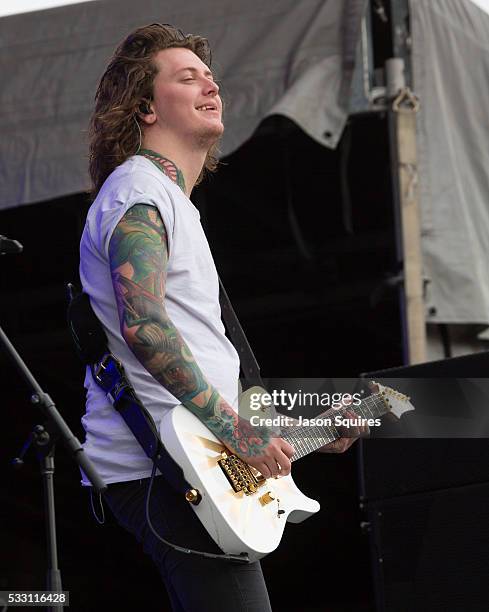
(238, 522)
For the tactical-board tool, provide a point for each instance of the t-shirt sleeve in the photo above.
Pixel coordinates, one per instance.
(152, 193)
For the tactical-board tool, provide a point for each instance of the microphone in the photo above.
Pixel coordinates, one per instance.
(9, 246)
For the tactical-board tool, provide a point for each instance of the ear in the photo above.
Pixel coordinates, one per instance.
(146, 112)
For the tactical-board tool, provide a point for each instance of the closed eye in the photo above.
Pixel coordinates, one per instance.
(193, 79)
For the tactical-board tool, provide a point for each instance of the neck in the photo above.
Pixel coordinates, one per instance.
(167, 166)
(308, 438)
(182, 165)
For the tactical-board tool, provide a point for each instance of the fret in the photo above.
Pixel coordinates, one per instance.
(380, 405)
(325, 435)
(306, 449)
(333, 433)
(293, 438)
(291, 435)
(299, 442)
(302, 452)
(316, 430)
(374, 404)
(328, 435)
(366, 405)
(318, 439)
(308, 441)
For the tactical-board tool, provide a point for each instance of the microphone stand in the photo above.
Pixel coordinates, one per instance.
(44, 438)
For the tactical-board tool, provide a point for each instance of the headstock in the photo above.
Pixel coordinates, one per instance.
(395, 402)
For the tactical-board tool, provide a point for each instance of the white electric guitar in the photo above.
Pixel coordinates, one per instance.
(244, 512)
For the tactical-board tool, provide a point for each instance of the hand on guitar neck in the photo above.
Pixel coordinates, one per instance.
(349, 435)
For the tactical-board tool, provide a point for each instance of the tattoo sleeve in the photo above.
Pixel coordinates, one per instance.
(138, 253)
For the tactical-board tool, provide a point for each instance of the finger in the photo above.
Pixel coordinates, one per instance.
(344, 444)
(273, 466)
(334, 447)
(365, 431)
(284, 464)
(287, 448)
(264, 470)
(353, 430)
(349, 432)
(373, 386)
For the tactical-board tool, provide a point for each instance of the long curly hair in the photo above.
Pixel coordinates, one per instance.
(114, 129)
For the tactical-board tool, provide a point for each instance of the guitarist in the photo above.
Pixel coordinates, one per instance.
(149, 273)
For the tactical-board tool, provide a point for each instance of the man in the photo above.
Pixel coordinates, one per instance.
(147, 267)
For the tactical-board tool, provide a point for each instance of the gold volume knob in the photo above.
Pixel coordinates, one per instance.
(266, 498)
(193, 496)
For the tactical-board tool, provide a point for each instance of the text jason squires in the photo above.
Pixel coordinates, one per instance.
(337, 421)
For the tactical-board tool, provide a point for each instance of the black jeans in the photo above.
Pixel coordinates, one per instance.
(194, 583)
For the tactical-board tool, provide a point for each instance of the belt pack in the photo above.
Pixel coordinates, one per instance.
(88, 334)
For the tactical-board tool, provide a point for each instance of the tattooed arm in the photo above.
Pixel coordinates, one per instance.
(138, 254)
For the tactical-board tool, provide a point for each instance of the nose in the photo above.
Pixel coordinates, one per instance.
(211, 87)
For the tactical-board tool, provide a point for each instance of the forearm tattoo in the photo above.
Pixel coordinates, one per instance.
(138, 254)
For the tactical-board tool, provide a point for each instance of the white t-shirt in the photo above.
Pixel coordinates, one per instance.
(192, 303)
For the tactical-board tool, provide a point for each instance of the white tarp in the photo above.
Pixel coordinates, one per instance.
(278, 56)
(451, 77)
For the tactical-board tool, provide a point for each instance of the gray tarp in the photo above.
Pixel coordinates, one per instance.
(278, 56)
(275, 56)
(451, 77)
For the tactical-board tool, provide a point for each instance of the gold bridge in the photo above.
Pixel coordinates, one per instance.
(241, 476)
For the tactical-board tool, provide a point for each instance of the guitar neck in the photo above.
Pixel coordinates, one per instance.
(309, 437)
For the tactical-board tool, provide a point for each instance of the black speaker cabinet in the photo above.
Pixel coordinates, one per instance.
(426, 508)
(426, 497)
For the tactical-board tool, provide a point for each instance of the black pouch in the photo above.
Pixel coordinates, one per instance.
(86, 330)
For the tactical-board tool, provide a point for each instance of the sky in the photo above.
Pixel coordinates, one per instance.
(484, 4)
(10, 7)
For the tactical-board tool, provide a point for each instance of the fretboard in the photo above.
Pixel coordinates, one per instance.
(307, 438)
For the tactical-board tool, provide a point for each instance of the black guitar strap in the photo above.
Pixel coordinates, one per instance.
(249, 364)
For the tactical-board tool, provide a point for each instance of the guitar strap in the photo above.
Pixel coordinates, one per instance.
(249, 364)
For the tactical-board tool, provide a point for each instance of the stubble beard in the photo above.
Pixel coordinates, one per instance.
(209, 137)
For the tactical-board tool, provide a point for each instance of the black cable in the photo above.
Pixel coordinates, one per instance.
(223, 557)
